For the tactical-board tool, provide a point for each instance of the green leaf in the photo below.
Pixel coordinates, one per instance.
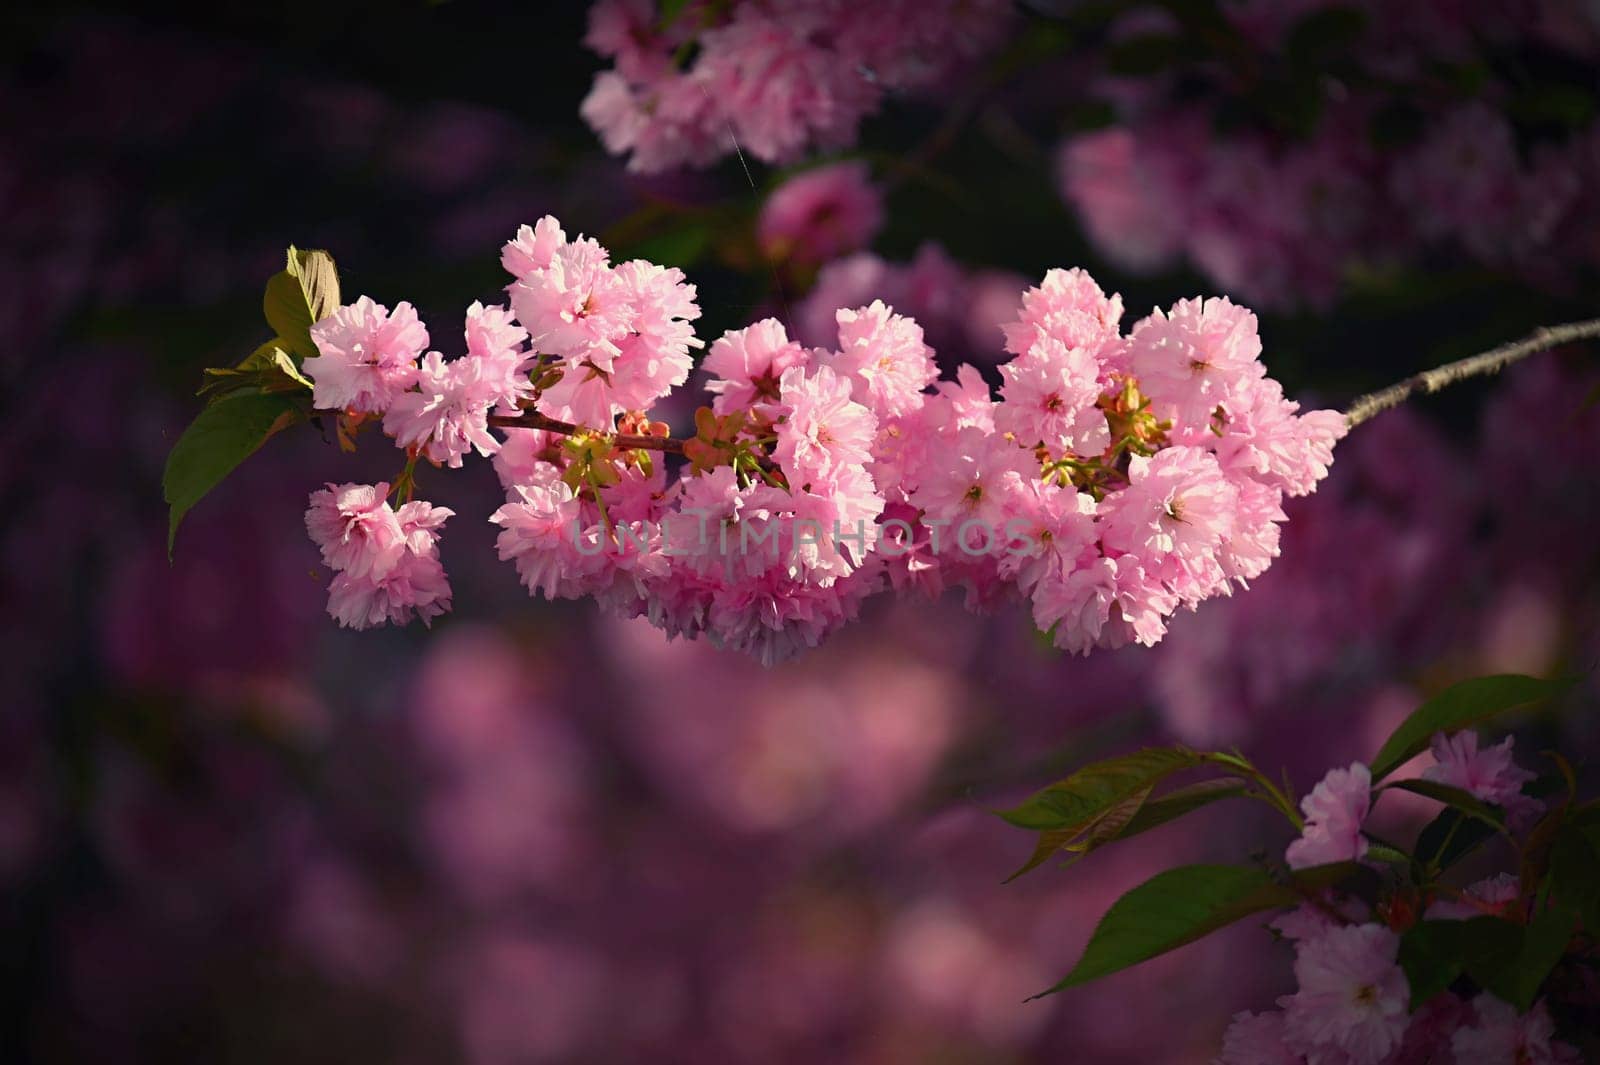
(1450, 837)
(669, 11)
(1170, 910)
(1508, 959)
(267, 369)
(1071, 804)
(222, 436)
(1179, 801)
(305, 291)
(1575, 871)
(681, 246)
(1457, 707)
(1429, 956)
(290, 371)
(1513, 960)
(1458, 798)
(1146, 814)
(1129, 818)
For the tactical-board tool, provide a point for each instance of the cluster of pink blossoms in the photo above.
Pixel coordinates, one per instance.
(1353, 1004)
(1116, 478)
(774, 76)
(386, 560)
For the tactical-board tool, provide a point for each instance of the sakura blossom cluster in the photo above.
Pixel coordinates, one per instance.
(1354, 1003)
(386, 560)
(1379, 168)
(771, 77)
(1116, 478)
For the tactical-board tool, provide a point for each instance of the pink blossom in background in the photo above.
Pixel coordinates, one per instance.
(1286, 225)
(820, 214)
(1500, 1036)
(771, 78)
(1130, 192)
(934, 290)
(503, 800)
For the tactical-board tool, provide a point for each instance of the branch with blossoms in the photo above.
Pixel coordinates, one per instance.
(1395, 960)
(1117, 477)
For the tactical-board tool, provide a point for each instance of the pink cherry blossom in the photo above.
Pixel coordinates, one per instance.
(1177, 513)
(820, 214)
(745, 365)
(495, 342)
(448, 415)
(356, 529)
(1069, 307)
(414, 587)
(1050, 394)
(1489, 773)
(1202, 355)
(884, 358)
(1335, 811)
(1130, 191)
(1352, 996)
(1257, 1039)
(823, 429)
(1491, 896)
(366, 356)
(852, 470)
(1500, 1036)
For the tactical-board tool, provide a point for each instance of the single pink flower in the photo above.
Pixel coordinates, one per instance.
(1488, 773)
(1335, 811)
(823, 429)
(884, 358)
(355, 528)
(1200, 355)
(1352, 996)
(366, 356)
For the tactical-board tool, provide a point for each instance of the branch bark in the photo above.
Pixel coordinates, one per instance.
(535, 420)
(1489, 362)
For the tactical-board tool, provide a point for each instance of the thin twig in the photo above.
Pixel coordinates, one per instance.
(627, 441)
(1489, 362)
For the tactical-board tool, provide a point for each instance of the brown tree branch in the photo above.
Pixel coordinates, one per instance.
(534, 420)
(1542, 339)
